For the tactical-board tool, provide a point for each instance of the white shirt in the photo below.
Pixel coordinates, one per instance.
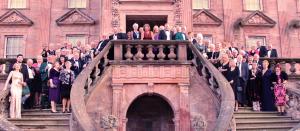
(269, 53)
(30, 73)
(115, 37)
(183, 36)
(240, 68)
(168, 34)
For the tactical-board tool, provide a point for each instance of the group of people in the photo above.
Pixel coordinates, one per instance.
(47, 80)
(253, 82)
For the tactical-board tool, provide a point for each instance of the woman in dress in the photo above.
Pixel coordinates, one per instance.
(232, 76)
(223, 65)
(66, 77)
(54, 86)
(267, 100)
(135, 34)
(279, 79)
(254, 87)
(155, 32)
(17, 84)
(147, 34)
(37, 82)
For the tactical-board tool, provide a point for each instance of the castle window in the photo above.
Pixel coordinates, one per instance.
(77, 3)
(76, 38)
(253, 5)
(14, 46)
(201, 4)
(16, 4)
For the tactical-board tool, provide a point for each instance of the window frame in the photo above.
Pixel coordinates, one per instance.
(77, 35)
(8, 6)
(6, 37)
(86, 5)
(208, 6)
(264, 43)
(261, 5)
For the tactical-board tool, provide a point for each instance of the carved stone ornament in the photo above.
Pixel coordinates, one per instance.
(178, 12)
(75, 17)
(115, 22)
(14, 17)
(198, 123)
(109, 122)
(204, 17)
(258, 18)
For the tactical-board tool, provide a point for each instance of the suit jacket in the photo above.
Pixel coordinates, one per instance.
(163, 36)
(102, 44)
(273, 53)
(244, 71)
(134, 36)
(210, 55)
(77, 69)
(121, 36)
(263, 51)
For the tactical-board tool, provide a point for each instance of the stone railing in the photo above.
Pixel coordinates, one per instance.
(290, 65)
(220, 86)
(293, 105)
(82, 87)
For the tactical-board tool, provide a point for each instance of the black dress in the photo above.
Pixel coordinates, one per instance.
(234, 75)
(67, 78)
(268, 98)
(254, 86)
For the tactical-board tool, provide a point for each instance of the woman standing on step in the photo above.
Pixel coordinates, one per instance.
(54, 83)
(66, 77)
(17, 84)
(267, 100)
(254, 87)
(279, 79)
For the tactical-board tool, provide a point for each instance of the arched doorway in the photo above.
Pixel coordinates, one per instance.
(150, 113)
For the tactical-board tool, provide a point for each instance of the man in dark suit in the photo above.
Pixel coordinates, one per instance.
(77, 64)
(165, 33)
(243, 77)
(271, 53)
(261, 49)
(117, 35)
(24, 70)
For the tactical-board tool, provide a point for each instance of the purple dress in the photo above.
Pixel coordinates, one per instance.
(54, 92)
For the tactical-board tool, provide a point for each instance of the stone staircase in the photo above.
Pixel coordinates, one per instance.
(42, 120)
(248, 120)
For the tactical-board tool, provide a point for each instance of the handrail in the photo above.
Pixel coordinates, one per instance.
(4, 124)
(79, 111)
(226, 94)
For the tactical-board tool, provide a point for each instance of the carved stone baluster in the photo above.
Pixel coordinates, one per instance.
(128, 54)
(161, 54)
(150, 55)
(139, 55)
(283, 65)
(172, 54)
(293, 68)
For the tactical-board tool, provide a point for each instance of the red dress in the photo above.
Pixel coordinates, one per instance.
(147, 35)
(280, 93)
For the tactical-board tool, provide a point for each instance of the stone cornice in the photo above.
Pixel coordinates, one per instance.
(75, 17)
(205, 17)
(14, 17)
(258, 18)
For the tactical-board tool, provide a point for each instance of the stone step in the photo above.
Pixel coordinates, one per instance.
(265, 128)
(242, 124)
(264, 120)
(40, 121)
(246, 114)
(46, 115)
(53, 127)
(39, 111)
(262, 117)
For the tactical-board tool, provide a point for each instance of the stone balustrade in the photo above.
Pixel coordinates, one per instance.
(290, 65)
(150, 51)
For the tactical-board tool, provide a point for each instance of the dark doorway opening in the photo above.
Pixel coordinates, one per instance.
(150, 113)
(145, 19)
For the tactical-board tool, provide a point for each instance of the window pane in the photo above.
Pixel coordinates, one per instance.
(17, 4)
(200, 4)
(73, 39)
(252, 5)
(14, 46)
(208, 38)
(77, 4)
(252, 40)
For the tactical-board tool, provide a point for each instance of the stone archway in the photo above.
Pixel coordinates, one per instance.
(150, 113)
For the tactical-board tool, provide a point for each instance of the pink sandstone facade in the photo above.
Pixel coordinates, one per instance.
(51, 21)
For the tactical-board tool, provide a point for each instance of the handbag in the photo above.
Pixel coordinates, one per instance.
(25, 91)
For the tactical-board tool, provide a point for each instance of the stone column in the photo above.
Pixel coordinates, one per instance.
(117, 101)
(184, 107)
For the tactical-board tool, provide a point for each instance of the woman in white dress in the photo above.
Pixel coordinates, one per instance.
(16, 87)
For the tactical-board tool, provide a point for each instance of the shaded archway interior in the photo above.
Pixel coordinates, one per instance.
(150, 113)
(145, 19)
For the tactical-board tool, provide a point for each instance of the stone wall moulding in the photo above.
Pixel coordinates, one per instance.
(150, 74)
(14, 17)
(75, 17)
(204, 17)
(258, 18)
